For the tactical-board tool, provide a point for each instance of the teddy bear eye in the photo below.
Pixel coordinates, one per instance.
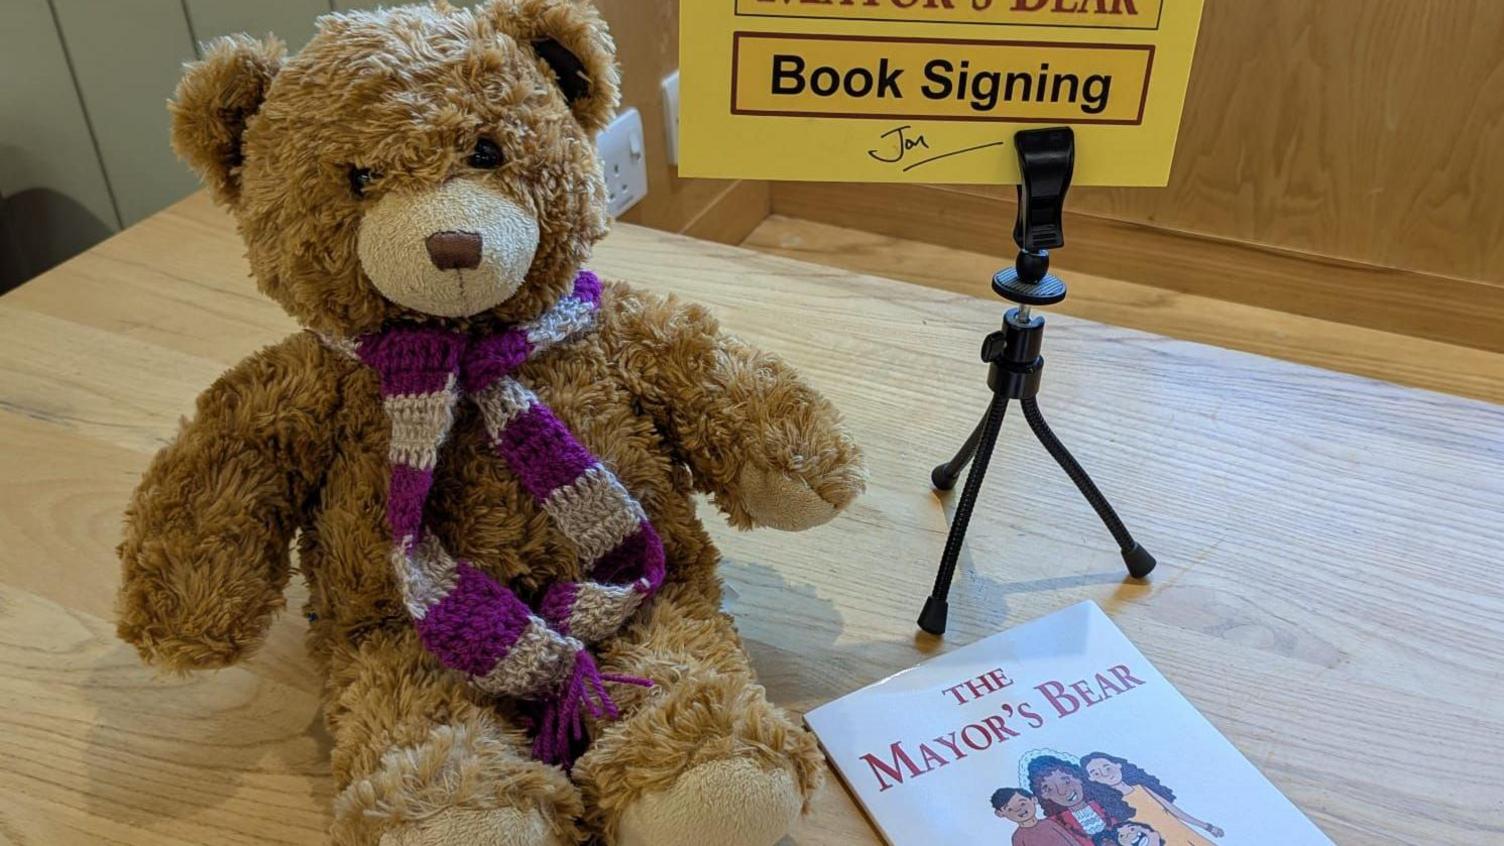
(487, 155)
(360, 179)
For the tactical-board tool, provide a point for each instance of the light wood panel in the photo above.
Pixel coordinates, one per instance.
(1448, 309)
(1328, 592)
(1382, 355)
(647, 43)
(1343, 161)
(732, 216)
(1366, 131)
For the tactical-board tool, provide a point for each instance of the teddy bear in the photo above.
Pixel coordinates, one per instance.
(486, 456)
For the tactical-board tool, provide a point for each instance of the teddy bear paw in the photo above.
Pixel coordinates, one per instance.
(471, 827)
(781, 502)
(730, 802)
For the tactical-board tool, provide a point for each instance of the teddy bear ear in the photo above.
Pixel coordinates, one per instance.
(213, 101)
(572, 40)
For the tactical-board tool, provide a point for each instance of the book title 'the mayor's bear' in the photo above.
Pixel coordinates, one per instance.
(1056, 733)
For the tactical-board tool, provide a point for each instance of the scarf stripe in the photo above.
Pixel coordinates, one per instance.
(470, 622)
(595, 511)
(541, 452)
(475, 625)
(427, 575)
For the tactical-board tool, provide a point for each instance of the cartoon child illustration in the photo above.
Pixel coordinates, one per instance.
(1130, 834)
(1081, 806)
(1152, 802)
(1011, 803)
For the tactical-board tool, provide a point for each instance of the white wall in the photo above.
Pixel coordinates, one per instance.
(83, 120)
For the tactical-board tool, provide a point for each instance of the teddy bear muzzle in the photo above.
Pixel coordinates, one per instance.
(453, 250)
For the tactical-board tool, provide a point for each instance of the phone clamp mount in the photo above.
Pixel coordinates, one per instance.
(1046, 159)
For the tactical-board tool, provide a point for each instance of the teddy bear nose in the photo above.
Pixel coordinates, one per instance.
(454, 250)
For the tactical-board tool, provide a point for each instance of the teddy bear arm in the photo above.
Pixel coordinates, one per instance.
(205, 553)
(760, 440)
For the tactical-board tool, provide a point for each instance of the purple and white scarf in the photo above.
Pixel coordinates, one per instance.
(465, 618)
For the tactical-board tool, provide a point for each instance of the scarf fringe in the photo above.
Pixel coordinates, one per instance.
(562, 723)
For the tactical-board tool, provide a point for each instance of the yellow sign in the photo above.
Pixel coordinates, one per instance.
(930, 90)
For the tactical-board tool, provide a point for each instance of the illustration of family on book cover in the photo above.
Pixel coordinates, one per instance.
(1055, 733)
(1100, 800)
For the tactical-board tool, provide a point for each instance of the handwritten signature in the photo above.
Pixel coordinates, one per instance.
(901, 143)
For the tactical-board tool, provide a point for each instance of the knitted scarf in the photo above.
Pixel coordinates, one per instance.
(470, 622)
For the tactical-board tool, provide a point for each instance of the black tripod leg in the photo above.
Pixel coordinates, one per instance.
(936, 606)
(944, 476)
(1138, 559)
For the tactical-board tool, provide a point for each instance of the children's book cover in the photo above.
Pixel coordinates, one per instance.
(1055, 733)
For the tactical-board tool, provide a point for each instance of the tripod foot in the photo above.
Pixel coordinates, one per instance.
(1140, 562)
(942, 478)
(932, 618)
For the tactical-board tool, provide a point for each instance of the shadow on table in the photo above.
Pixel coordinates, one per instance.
(794, 635)
(786, 628)
(979, 600)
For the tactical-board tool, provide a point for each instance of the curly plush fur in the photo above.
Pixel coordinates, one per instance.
(291, 444)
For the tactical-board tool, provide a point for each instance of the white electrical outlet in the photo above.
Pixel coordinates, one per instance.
(624, 159)
(670, 87)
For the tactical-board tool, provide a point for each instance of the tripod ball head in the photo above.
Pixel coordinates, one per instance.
(1032, 266)
(1015, 285)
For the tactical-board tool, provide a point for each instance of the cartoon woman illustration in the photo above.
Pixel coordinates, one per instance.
(1130, 834)
(1152, 802)
(1081, 806)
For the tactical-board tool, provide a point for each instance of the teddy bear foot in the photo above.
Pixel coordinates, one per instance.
(468, 827)
(730, 802)
(466, 784)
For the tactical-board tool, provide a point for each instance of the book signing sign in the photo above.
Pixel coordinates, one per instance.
(930, 90)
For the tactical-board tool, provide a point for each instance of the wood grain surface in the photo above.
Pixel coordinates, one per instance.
(1390, 356)
(1318, 128)
(1365, 130)
(1328, 594)
(1343, 161)
(646, 33)
(732, 215)
(1423, 305)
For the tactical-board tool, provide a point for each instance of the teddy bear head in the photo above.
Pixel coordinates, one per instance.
(415, 164)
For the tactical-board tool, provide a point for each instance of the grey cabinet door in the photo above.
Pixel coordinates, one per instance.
(54, 200)
(289, 20)
(127, 56)
(84, 131)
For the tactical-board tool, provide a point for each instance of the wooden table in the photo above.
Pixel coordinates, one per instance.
(1329, 591)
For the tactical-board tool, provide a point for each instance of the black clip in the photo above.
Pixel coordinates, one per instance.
(1046, 159)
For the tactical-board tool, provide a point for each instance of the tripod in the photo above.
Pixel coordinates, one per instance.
(1046, 160)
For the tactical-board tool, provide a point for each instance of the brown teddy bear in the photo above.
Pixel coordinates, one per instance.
(486, 455)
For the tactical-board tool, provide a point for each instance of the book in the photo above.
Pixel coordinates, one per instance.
(1055, 733)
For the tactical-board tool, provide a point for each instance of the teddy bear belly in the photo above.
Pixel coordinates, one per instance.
(480, 511)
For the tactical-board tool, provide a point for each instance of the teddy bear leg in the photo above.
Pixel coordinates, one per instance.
(702, 756)
(422, 760)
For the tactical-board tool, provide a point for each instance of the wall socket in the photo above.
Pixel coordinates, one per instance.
(670, 87)
(624, 160)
